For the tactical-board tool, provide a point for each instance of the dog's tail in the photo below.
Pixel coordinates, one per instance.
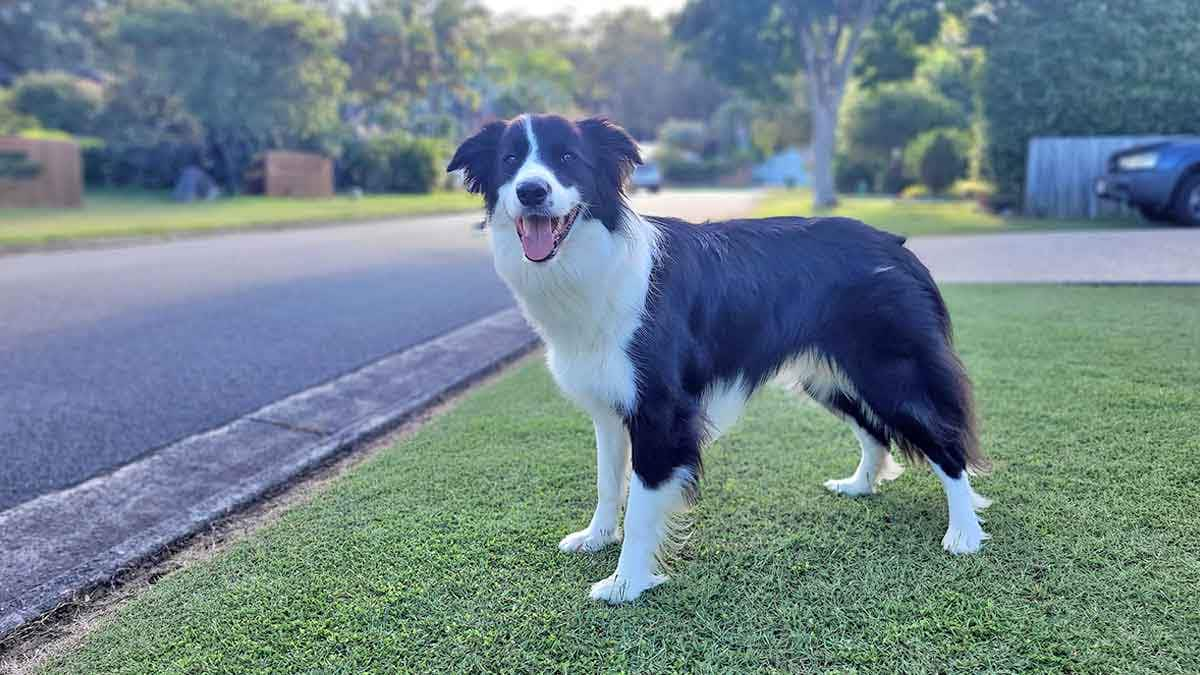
(941, 422)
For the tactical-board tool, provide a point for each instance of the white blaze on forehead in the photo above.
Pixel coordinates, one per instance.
(560, 200)
(527, 122)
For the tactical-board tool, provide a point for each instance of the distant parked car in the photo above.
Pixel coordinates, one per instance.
(1162, 180)
(646, 177)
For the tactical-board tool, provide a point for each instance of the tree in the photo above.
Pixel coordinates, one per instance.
(634, 73)
(255, 74)
(50, 35)
(821, 37)
(891, 48)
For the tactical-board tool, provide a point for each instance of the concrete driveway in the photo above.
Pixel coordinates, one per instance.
(1150, 255)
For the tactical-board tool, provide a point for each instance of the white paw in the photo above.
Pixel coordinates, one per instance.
(851, 487)
(889, 468)
(589, 540)
(615, 591)
(964, 540)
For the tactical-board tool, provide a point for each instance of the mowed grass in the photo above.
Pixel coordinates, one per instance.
(918, 217)
(439, 554)
(134, 213)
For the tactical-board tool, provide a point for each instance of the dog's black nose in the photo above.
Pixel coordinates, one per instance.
(533, 192)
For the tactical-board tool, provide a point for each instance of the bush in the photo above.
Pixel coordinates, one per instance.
(853, 175)
(147, 140)
(978, 190)
(881, 120)
(678, 167)
(57, 101)
(683, 135)
(937, 158)
(1079, 67)
(916, 191)
(11, 121)
(392, 163)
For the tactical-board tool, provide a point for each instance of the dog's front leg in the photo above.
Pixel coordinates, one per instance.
(665, 460)
(612, 479)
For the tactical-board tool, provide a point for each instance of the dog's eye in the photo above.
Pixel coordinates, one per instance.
(510, 159)
(568, 156)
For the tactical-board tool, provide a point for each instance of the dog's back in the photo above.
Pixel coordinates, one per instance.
(845, 309)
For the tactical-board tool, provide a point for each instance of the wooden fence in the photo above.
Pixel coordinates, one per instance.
(297, 174)
(59, 181)
(1060, 173)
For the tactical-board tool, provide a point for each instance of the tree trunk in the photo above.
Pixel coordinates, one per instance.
(824, 146)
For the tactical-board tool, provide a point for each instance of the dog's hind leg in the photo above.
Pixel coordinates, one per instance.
(874, 466)
(965, 533)
(612, 480)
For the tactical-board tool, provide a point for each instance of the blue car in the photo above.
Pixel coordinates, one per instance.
(1162, 180)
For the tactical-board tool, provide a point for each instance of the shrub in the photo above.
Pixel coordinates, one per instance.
(916, 191)
(853, 175)
(894, 178)
(11, 121)
(678, 167)
(57, 101)
(147, 139)
(683, 135)
(937, 158)
(881, 120)
(391, 163)
(979, 190)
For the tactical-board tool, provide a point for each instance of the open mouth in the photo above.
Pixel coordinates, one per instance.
(542, 235)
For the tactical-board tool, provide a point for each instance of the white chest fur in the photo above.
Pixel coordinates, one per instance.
(586, 303)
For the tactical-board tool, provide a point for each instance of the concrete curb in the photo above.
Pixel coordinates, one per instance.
(61, 544)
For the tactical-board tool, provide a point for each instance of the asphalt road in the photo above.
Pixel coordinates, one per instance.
(108, 354)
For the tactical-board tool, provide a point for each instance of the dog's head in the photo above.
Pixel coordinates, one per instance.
(544, 175)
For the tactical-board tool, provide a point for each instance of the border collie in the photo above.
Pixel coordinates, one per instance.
(661, 330)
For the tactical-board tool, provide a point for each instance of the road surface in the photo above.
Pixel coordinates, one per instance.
(109, 354)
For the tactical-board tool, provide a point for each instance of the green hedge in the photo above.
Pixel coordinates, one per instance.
(391, 163)
(1081, 67)
(58, 101)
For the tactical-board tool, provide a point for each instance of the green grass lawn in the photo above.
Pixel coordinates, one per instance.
(915, 217)
(439, 554)
(126, 214)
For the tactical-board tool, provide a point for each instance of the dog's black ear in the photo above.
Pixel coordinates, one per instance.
(616, 151)
(477, 157)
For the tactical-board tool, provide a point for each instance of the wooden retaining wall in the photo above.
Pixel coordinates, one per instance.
(1060, 172)
(59, 183)
(297, 174)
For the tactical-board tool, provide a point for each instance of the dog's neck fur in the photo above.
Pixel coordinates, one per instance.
(586, 303)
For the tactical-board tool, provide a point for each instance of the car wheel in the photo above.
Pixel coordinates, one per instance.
(1187, 204)
(1155, 215)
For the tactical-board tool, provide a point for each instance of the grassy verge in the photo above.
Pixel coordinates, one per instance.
(439, 554)
(916, 217)
(127, 214)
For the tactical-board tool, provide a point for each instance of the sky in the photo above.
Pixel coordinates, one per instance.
(581, 9)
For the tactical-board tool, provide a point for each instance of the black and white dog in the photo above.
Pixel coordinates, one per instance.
(662, 329)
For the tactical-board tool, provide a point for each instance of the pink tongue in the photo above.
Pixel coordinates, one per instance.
(537, 238)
